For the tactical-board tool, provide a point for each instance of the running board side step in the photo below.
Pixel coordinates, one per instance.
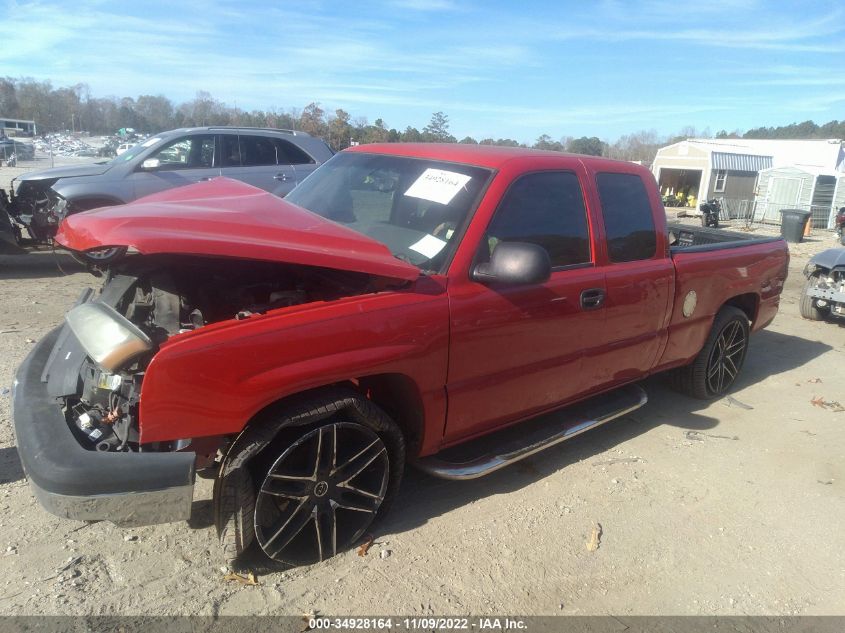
(488, 454)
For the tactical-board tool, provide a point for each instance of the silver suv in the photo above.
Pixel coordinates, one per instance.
(274, 160)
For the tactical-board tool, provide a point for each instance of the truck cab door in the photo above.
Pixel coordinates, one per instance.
(640, 280)
(518, 350)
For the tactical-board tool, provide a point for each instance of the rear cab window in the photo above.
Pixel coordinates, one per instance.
(628, 217)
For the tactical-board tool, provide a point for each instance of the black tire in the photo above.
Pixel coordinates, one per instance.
(807, 305)
(267, 440)
(714, 370)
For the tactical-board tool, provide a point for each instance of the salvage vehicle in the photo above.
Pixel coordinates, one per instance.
(824, 291)
(452, 306)
(8, 236)
(274, 160)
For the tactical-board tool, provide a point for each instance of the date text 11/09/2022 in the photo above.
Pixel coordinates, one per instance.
(416, 624)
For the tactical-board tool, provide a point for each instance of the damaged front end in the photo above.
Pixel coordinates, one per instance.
(826, 284)
(77, 397)
(175, 266)
(146, 302)
(36, 210)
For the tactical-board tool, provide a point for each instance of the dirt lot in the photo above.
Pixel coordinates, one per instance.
(731, 507)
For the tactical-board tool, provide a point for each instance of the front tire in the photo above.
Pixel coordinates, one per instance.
(715, 369)
(807, 304)
(320, 495)
(306, 482)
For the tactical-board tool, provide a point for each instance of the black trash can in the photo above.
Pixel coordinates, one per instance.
(793, 223)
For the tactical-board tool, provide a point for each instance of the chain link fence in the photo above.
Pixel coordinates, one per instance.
(751, 212)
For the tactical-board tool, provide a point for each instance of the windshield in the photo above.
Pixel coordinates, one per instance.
(416, 207)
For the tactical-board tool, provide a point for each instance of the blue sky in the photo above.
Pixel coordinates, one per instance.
(500, 69)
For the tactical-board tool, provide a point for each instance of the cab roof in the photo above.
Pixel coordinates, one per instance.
(490, 156)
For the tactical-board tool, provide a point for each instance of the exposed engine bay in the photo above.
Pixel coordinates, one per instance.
(168, 295)
(35, 210)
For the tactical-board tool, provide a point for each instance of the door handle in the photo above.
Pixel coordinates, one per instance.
(205, 178)
(592, 298)
(281, 177)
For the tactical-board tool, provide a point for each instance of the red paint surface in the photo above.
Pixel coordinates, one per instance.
(480, 357)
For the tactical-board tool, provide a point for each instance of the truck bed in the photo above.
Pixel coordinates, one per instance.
(710, 265)
(693, 239)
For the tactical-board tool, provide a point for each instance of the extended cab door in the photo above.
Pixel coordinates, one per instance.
(639, 278)
(256, 160)
(516, 350)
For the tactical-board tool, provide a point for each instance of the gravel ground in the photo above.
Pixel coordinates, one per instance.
(729, 508)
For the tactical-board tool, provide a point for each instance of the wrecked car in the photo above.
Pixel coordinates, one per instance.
(273, 160)
(451, 306)
(8, 235)
(824, 291)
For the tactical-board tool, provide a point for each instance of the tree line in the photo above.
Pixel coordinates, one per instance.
(73, 108)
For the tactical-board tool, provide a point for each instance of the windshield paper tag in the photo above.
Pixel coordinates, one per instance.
(437, 185)
(428, 246)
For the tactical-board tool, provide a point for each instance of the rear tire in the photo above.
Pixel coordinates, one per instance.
(807, 305)
(716, 367)
(256, 472)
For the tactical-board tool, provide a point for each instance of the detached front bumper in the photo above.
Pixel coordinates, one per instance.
(830, 295)
(128, 489)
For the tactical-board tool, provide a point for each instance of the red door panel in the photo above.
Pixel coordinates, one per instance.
(638, 295)
(515, 351)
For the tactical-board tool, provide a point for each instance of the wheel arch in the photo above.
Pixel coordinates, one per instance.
(749, 303)
(396, 393)
(234, 495)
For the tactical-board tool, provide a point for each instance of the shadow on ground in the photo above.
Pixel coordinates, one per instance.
(771, 353)
(38, 264)
(10, 465)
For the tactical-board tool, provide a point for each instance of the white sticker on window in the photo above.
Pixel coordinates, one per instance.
(150, 141)
(437, 185)
(428, 246)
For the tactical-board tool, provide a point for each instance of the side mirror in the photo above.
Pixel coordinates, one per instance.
(515, 263)
(151, 163)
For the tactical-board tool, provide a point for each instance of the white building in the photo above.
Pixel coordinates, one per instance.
(732, 170)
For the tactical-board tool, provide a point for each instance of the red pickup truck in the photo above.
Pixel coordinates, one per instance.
(398, 305)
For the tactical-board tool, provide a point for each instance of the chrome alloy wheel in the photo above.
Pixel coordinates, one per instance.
(321, 493)
(726, 358)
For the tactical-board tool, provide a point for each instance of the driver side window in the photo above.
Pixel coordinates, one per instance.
(547, 209)
(191, 152)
